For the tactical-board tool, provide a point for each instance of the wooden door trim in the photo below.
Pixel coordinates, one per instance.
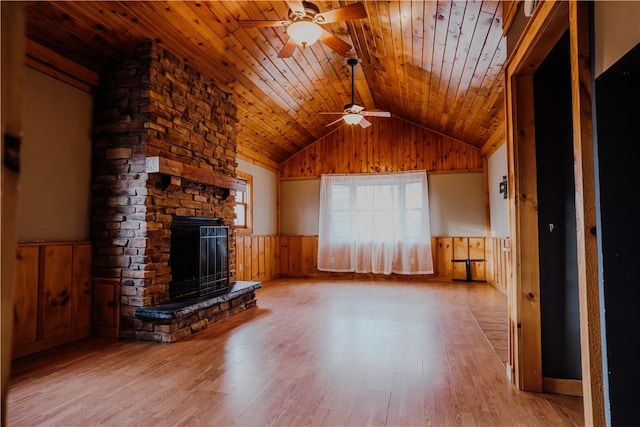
(587, 248)
(549, 22)
(540, 35)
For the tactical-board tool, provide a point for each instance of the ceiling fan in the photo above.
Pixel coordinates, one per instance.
(304, 26)
(353, 113)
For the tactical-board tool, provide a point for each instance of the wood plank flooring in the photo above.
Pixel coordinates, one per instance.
(494, 325)
(325, 353)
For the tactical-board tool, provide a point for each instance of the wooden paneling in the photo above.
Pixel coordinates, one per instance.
(437, 64)
(25, 296)
(53, 301)
(415, 70)
(299, 255)
(460, 248)
(81, 292)
(498, 266)
(57, 276)
(257, 257)
(389, 145)
(477, 253)
(444, 255)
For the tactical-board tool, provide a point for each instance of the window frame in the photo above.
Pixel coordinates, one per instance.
(248, 227)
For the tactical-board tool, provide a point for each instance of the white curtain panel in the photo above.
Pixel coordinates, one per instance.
(375, 223)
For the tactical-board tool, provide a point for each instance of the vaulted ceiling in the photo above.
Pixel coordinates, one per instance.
(434, 63)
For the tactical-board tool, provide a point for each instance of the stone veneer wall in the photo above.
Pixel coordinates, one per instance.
(153, 104)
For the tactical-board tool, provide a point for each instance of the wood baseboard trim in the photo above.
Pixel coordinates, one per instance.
(562, 386)
(47, 343)
(497, 286)
(105, 331)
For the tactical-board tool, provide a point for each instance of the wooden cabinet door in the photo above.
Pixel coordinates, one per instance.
(25, 296)
(106, 311)
(81, 287)
(477, 252)
(56, 287)
(444, 255)
(460, 252)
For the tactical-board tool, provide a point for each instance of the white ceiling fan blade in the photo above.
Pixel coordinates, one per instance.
(376, 113)
(356, 108)
(334, 122)
(297, 8)
(364, 123)
(331, 112)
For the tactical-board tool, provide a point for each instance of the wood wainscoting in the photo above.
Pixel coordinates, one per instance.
(257, 257)
(299, 254)
(498, 262)
(52, 297)
(265, 257)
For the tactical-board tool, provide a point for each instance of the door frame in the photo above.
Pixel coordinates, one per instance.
(543, 30)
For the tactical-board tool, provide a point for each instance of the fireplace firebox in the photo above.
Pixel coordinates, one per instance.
(199, 258)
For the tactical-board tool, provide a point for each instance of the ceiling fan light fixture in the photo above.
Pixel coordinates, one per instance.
(304, 33)
(352, 118)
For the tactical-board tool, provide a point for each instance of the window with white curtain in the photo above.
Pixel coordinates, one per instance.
(375, 224)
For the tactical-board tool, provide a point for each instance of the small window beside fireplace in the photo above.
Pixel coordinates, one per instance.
(199, 258)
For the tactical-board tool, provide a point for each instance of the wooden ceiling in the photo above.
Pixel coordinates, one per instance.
(434, 63)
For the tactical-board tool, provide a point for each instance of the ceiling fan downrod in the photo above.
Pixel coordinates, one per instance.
(352, 62)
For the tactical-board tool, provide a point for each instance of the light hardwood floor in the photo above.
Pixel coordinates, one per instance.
(312, 353)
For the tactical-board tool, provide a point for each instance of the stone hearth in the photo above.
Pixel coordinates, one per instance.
(172, 321)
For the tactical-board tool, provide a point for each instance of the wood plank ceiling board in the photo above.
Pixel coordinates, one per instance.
(434, 63)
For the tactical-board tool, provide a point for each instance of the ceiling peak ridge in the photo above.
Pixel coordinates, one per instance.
(435, 131)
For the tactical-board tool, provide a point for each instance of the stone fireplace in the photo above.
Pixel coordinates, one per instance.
(164, 148)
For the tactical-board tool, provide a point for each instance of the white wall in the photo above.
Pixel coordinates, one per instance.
(498, 205)
(300, 204)
(617, 30)
(265, 198)
(55, 175)
(456, 205)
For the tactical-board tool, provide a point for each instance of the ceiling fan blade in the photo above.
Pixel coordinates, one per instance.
(352, 11)
(331, 112)
(376, 113)
(341, 47)
(364, 123)
(297, 8)
(334, 122)
(357, 108)
(288, 49)
(262, 24)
